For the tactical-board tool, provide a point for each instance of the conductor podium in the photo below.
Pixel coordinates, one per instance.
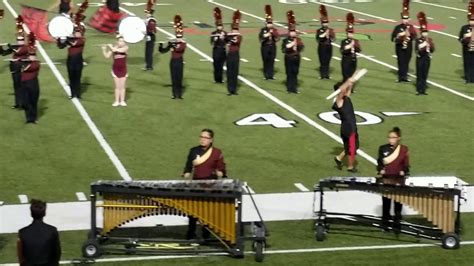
(440, 207)
(216, 204)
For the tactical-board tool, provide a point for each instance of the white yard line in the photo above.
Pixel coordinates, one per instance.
(442, 6)
(273, 98)
(244, 60)
(305, 58)
(301, 187)
(23, 198)
(95, 131)
(452, 17)
(456, 55)
(378, 17)
(267, 251)
(336, 58)
(277, 60)
(81, 196)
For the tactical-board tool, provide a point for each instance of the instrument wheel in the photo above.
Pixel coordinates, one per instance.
(259, 248)
(91, 249)
(450, 241)
(320, 232)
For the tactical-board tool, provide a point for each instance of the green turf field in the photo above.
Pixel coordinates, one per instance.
(151, 137)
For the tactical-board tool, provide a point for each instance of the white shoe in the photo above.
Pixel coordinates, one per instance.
(115, 104)
(123, 103)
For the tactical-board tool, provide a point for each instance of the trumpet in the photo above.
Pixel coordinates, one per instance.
(406, 37)
(471, 42)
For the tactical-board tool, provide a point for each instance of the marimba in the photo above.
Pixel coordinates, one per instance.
(435, 204)
(216, 204)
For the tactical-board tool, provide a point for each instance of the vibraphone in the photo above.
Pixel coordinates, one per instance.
(216, 204)
(435, 204)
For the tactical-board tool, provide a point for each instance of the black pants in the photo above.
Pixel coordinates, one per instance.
(292, 68)
(176, 69)
(349, 66)
(233, 62)
(325, 55)
(268, 57)
(422, 70)
(15, 69)
(31, 92)
(403, 60)
(386, 204)
(149, 48)
(74, 70)
(468, 59)
(192, 229)
(218, 57)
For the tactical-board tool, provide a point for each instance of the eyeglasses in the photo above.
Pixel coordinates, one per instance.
(205, 137)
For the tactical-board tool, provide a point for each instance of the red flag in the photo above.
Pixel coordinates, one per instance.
(37, 20)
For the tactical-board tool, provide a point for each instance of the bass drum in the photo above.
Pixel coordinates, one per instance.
(61, 27)
(133, 29)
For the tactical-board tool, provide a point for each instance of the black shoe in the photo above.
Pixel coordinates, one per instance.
(181, 97)
(229, 94)
(418, 94)
(424, 93)
(352, 170)
(173, 97)
(31, 122)
(235, 93)
(338, 163)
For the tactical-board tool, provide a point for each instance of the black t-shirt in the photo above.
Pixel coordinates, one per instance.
(347, 116)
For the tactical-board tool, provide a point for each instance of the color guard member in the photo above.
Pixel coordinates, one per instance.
(466, 37)
(204, 162)
(150, 37)
(403, 35)
(177, 47)
(119, 68)
(393, 165)
(234, 39)
(218, 42)
(292, 46)
(324, 36)
(349, 49)
(424, 49)
(268, 37)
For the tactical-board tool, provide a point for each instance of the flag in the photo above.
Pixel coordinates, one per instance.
(37, 20)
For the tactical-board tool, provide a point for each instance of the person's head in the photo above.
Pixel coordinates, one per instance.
(220, 27)
(325, 24)
(405, 21)
(206, 137)
(424, 34)
(394, 136)
(350, 35)
(38, 209)
(292, 33)
(471, 22)
(120, 41)
(270, 25)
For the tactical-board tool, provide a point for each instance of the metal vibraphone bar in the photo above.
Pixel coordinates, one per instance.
(216, 204)
(435, 204)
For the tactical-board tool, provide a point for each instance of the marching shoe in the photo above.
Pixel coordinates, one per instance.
(338, 163)
(123, 103)
(115, 104)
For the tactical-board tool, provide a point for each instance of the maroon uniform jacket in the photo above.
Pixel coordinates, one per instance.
(205, 162)
(393, 160)
(31, 71)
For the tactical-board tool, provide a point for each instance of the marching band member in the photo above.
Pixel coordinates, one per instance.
(349, 135)
(424, 48)
(466, 37)
(119, 68)
(65, 6)
(20, 52)
(324, 36)
(349, 49)
(218, 42)
(268, 36)
(292, 47)
(150, 38)
(177, 47)
(403, 35)
(233, 40)
(75, 61)
(393, 165)
(29, 81)
(203, 162)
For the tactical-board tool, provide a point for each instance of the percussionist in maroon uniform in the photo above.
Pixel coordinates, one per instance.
(204, 162)
(393, 165)
(119, 68)
(30, 83)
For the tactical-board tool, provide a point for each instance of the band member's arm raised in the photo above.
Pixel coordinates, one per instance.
(107, 53)
(345, 90)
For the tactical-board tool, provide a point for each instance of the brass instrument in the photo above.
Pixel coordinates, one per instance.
(406, 37)
(436, 204)
(471, 42)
